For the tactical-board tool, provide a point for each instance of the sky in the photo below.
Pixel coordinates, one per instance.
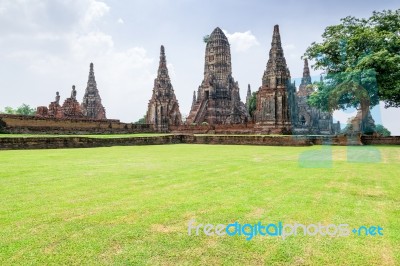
(47, 46)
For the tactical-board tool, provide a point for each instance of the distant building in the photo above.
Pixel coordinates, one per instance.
(308, 119)
(248, 97)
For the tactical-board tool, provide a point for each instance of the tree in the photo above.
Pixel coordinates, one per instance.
(141, 120)
(206, 38)
(253, 104)
(348, 89)
(9, 110)
(24, 109)
(383, 131)
(357, 54)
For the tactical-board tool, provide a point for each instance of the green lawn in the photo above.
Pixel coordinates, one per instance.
(132, 205)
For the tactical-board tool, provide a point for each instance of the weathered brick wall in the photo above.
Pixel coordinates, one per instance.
(88, 142)
(248, 140)
(32, 124)
(81, 142)
(371, 140)
(214, 129)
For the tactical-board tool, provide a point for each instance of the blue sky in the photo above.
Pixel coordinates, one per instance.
(47, 46)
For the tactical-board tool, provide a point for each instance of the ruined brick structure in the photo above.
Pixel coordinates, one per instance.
(275, 97)
(163, 108)
(217, 107)
(55, 109)
(308, 119)
(91, 103)
(71, 107)
(218, 99)
(355, 124)
(91, 107)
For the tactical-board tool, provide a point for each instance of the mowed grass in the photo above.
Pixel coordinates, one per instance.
(132, 205)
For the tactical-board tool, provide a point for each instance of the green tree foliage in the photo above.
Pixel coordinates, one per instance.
(253, 104)
(141, 120)
(206, 38)
(24, 109)
(383, 131)
(9, 110)
(353, 54)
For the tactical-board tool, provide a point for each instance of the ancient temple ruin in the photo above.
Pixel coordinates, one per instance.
(218, 99)
(55, 109)
(361, 123)
(163, 108)
(308, 119)
(275, 97)
(71, 107)
(92, 107)
(279, 108)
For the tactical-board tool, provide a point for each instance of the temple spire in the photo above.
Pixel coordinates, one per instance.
(91, 80)
(276, 51)
(162, 67)
(194, 98)
(276, 37)
(277, 70)
(218, 97)
(248, 96)
(306, 74)
(163, 108)
(218, 57)
(91, 104)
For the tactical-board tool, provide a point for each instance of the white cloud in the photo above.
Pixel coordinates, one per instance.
(95, 11)
(242, 41)
(91, 44)
(120, 21)
(289, 47)
(57, 60)
(171, 70)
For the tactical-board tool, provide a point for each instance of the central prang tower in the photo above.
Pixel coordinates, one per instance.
(218, 99)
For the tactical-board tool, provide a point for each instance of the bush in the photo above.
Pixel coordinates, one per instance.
(383, 131)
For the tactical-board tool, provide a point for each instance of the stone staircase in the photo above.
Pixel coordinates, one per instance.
(199, 118)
